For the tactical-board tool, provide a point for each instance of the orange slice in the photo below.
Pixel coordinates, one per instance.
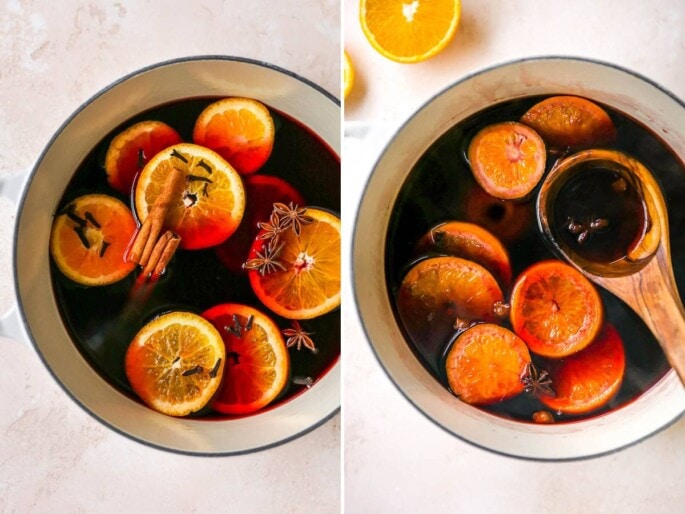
(211, 205)
(131, 149)
(241, 130)
(89, 239)
(588, 379)
(507, 159)
(409, 31)
(555, 309)
(257, 366)
(348, 74)
(471, 242)
(570, 121)
(486, 363)
(439, 295)
(306, 282)
(175, 363)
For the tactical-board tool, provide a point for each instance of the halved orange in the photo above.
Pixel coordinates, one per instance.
(471, 242)
(555, 309)
(409, 31)
(441, 292)
(507, 159)
(131, 149)
(486, 363)
(258, 365)
(587, 380)
(212, 202)
(241, 130)
(348, 74)
(306, 284)
(570, 121)
(89, 239)
(175, 363)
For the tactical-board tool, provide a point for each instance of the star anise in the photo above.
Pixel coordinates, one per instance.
(297, 337)
(266, 260)
(292, 215)
(537, 381)
(272, 228)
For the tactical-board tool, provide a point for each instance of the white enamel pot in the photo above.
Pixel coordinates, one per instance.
(36, 317)
(620, 89)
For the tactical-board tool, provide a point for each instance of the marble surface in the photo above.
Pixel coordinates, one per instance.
(53, 57)
(395, 459)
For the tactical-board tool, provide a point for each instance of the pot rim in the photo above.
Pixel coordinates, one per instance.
(358, 295)
(331, 373)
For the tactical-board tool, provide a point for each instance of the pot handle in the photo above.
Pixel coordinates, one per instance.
(12, 326)
(11, 186)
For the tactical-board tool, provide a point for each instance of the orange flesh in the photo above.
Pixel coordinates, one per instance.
(555, 309)
(486, 363)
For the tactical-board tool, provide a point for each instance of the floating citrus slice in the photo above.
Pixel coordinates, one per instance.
(587, 380)
(470, 242)
(570, 121)
(486, 363)
(409, 31)
(257, 366)
(262, 192)
(555, 309)
(175, 363)
(348, 74)
(89, 238)
(507, 159)
(131, 149)
(241, 130)
(441, 295)
(210, 206)
(298, 276)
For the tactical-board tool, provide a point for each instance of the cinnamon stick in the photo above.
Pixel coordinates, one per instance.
(146, 237)
(161, 254)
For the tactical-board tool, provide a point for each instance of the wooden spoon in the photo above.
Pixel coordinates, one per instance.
(643, 278)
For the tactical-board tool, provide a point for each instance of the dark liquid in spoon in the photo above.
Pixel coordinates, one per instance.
(599, 214)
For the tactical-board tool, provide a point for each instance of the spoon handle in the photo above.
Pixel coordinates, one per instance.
(653, 294)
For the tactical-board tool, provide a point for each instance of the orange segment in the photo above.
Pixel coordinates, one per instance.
(486, 363)
(175, 363)
(258, 365)
(131, 149)
(441, 292)
(241, 130)
(308, 285)
(588, 379)
(471, 242)
(507, 159)
(555, 309)
(409, 31)
(348, 74)
(89, 239)
(212, 203)
(570, 121)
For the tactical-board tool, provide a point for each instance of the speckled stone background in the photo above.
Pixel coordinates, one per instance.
(53, 57)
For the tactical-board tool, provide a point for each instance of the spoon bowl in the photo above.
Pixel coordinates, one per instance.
(643, 276)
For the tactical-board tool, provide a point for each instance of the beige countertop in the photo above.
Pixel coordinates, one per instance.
(54, 56)
(396, 460)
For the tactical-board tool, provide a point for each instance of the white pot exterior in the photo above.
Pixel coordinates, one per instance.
(152, 87)
(633, 95)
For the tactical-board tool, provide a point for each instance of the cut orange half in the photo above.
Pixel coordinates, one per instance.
(555, 309)
(409, 31)
(175, 363)
(210, 206)
(131, 149)
(241, 130)
(257, 366)
(305, 281)
(89, 239)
